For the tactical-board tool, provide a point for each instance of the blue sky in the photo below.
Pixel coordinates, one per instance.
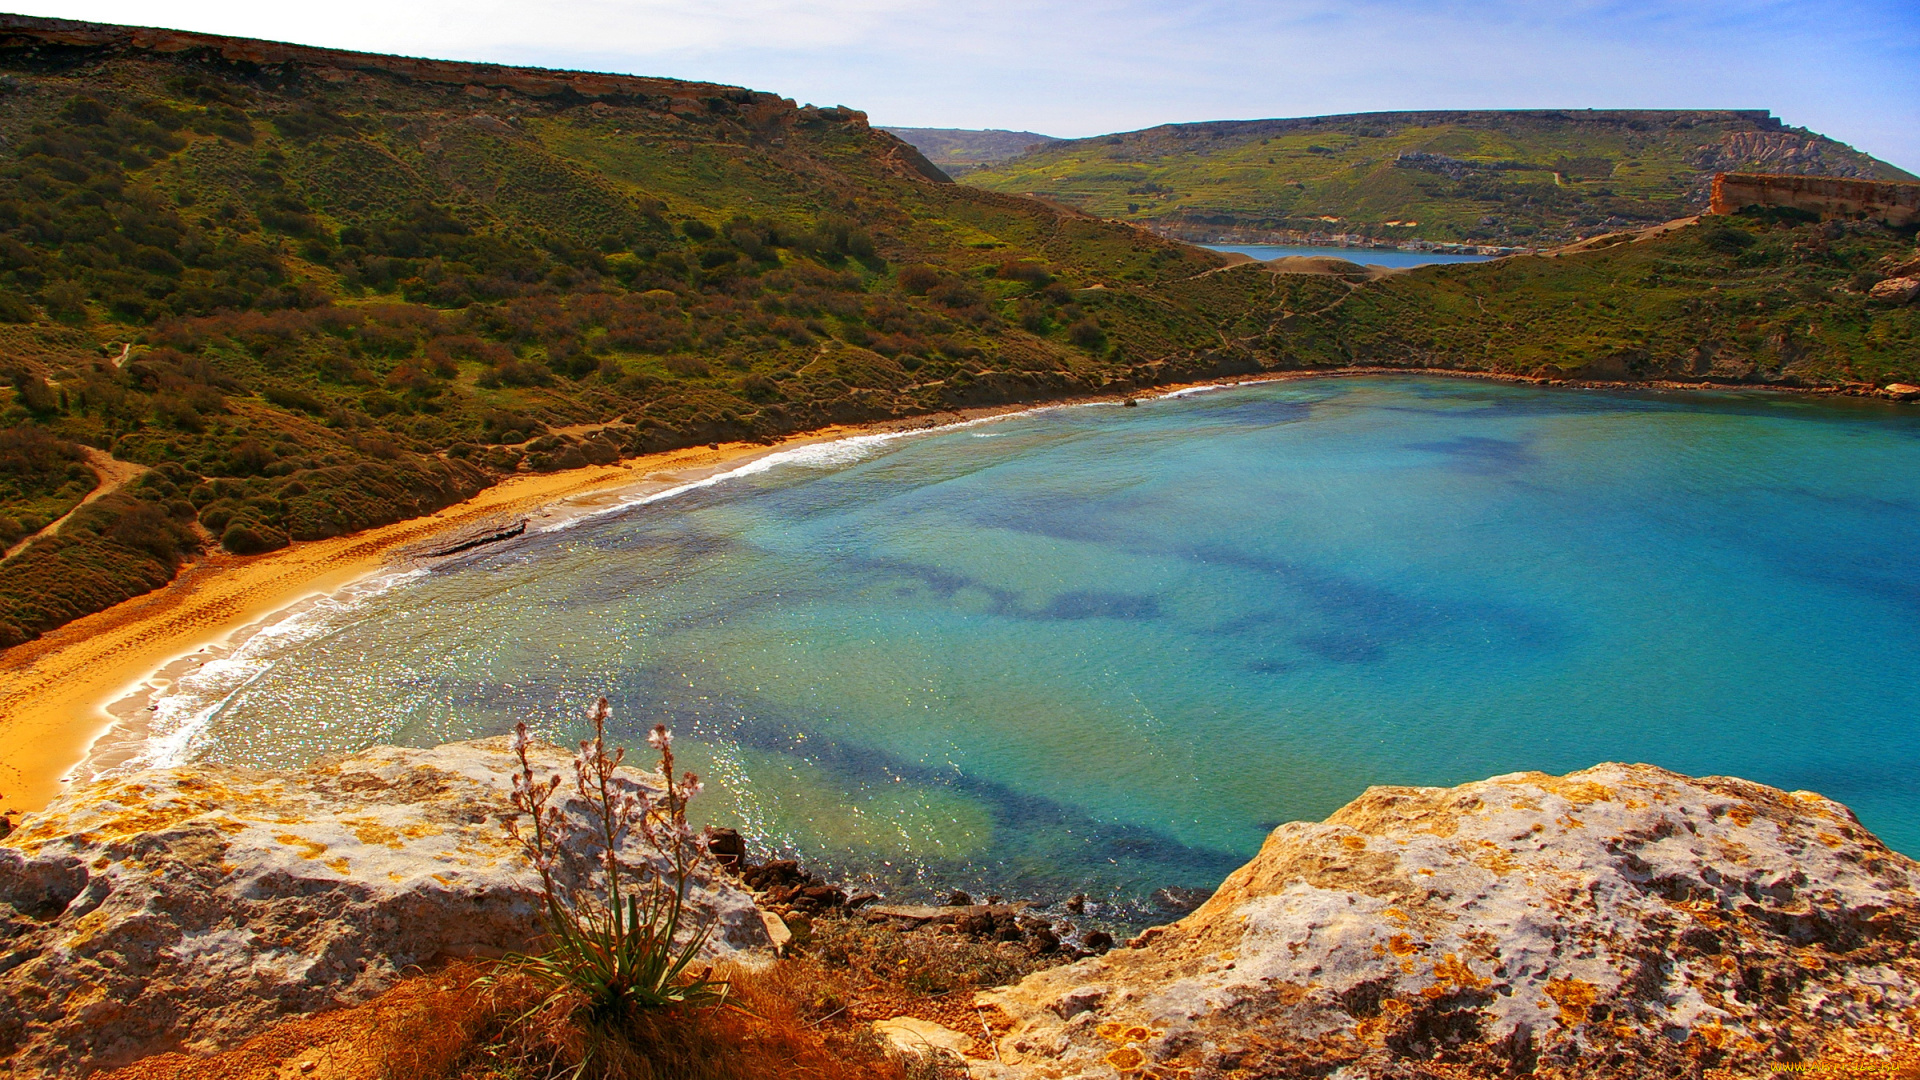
(1846, 68)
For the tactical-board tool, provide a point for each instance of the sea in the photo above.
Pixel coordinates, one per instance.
(1104, 650)
(1363, 256)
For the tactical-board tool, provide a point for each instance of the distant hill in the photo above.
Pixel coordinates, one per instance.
(959, 151)
(1532, 178)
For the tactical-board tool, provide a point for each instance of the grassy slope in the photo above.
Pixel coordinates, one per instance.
(1733, 299)
(958, 151)
(355, 295)
(1503, 177)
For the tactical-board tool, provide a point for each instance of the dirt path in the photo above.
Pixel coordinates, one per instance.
(114, 474)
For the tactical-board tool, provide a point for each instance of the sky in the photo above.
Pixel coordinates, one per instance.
(1849, 69)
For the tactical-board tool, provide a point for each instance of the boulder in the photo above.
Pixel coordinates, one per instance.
(727, 846)
(1896, 290)
(180, 909)
(1624, 921)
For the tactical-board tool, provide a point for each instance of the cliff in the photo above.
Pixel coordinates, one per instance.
(182, 909)
(1889, 202)
(1624, 921)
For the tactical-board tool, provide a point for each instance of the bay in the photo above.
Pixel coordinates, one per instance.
(1105, 650)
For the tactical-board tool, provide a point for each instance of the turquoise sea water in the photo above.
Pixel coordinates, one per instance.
(1104, 649)
(1363, 256)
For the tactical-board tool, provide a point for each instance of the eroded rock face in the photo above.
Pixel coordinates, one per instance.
(180, 908)
(1623, 921)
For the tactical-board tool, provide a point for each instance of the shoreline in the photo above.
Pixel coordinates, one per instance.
(74, 701)
(67, 693)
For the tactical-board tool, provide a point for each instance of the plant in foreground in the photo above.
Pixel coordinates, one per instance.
(614, 924)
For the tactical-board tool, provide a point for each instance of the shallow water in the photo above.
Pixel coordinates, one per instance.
(1103, 649)
(1363, 256)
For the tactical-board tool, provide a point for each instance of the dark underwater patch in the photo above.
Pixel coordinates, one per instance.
(1481, 454)
(1098, 605)
(1342, 648)
(1044, 848)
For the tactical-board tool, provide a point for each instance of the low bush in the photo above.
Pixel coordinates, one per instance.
(252, 538)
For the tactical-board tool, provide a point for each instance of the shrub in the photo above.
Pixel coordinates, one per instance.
(1088, 335)
(249, 457)
(920, 278)
(252, 538)
(1727, 239)
(29, 452)
(615, 927)
(290, 398)
(34, 394)
(1030, 272)
(687, 367)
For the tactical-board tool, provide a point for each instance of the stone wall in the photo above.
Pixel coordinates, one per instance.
(1890, 202)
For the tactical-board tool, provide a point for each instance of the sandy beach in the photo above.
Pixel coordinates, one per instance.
(60, 694)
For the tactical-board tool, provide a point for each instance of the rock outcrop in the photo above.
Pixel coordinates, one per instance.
(1890, 202)
(1624, 921)
(181, 908)
(1896, 290)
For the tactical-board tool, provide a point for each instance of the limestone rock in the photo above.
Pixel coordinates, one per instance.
(1624, 921)
(914, 1036)
(1896, 290)
(181, 908)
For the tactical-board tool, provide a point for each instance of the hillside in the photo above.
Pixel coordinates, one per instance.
(958, 151)
(313, 291)
(1734, 299)
(1528, 178)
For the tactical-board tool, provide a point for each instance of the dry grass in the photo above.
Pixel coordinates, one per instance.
(509, 1030)
(807, 1017)
(473, 1022)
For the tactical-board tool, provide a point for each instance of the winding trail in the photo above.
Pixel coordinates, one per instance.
(114, 474)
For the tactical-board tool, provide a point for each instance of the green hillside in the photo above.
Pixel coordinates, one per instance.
(317, 291)
(1534, 178)
(1736, 300)
(958, 151)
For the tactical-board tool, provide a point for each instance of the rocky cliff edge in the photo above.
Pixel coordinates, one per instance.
(1624, 921)
(181, 909)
